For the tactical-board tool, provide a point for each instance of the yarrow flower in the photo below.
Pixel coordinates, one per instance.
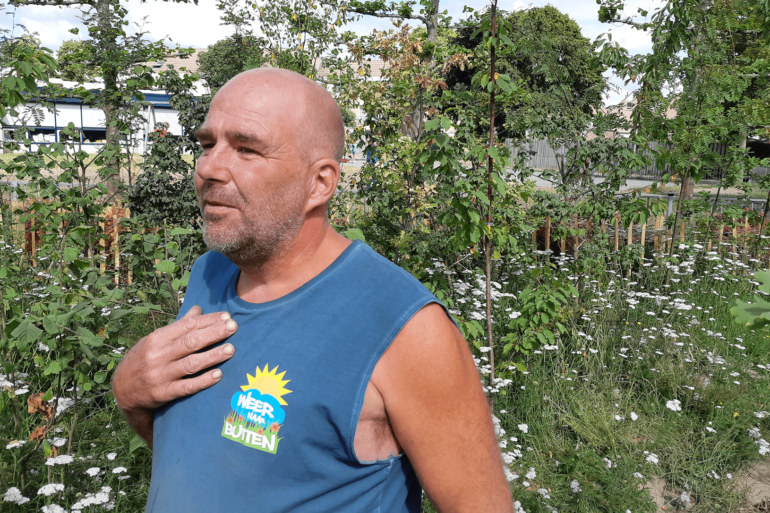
(674, 405)
(15, 444)
(524, 428)
(652, 458)
(111, 456)
(93, 471)
(14, 495)
(53, 508)
(51, 489)
(101, 497)
(64, 459)
(119, 470)
(575, 485)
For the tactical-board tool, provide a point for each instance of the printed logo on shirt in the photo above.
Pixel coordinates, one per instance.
(256, 414)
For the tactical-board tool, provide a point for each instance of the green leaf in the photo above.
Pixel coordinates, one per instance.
(71, 254)
(166, 266)
(136, 443)
(26, 332)
(48, 395)
(354, 234)
(53, 368)
(100, 376)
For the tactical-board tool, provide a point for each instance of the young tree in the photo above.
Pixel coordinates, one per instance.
(704, 65)
(116, 56)
(77, 61)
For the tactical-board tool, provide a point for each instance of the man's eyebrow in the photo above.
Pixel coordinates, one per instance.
(203, 133)
(247, 137)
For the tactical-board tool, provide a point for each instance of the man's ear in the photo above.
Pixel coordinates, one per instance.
(324, 175)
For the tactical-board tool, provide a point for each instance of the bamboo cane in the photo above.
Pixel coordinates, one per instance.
(617, 229)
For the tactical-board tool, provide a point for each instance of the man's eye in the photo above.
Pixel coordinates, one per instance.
(246, 150)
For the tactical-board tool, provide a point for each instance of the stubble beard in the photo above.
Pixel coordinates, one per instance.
(264, 231)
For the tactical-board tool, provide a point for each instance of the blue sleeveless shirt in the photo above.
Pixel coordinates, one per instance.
(276, 433)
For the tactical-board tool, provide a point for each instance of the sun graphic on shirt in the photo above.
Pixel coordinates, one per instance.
(268, 383)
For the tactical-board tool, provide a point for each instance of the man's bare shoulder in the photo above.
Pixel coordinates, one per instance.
(439, 414)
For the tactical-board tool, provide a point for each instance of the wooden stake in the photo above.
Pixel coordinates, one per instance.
(630, 234)
(617, 229)
(115, 227)
(681, 233)
(644, 231)
(548, 233)
(719, 239)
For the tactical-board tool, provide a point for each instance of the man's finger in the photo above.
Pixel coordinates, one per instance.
(185, 387)
(198, 339)
(197, 362)
(191, 322)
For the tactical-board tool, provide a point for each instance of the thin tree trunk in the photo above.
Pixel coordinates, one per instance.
(489, 209)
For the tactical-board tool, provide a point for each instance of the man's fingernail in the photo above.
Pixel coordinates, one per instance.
(217, 374)
(229, 349)
(232, 325)
(224, 316)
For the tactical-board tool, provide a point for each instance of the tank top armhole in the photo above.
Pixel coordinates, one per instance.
(387, 341)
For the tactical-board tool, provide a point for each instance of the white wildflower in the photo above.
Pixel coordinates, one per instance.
(524, 428)
(93, 471)
(64, 459)
(50, 489)
(53, 508)
(14, 495)
(111, 456)
(15, 444)
(674, 405)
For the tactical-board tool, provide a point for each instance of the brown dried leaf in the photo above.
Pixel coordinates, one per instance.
(35, 403)
(38, 434)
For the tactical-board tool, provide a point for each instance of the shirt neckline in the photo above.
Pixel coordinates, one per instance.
(235, 300)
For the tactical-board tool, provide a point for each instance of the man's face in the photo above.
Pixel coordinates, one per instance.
(249, 181)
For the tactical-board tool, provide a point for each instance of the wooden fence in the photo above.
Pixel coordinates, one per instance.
(106, 249)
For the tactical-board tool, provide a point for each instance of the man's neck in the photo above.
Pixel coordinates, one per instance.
(314, 249)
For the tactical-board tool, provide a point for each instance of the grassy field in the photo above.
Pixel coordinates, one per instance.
(654, 386)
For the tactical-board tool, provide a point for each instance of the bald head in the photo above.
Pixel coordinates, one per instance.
(311, 112)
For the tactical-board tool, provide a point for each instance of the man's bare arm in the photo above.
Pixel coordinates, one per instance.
(440, 416)
(155, 370)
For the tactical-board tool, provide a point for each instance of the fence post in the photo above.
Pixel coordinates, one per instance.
(670, 204)
(630, 234)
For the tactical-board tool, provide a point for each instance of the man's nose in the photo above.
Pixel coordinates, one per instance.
(216, 165)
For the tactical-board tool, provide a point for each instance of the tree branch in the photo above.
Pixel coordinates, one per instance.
(52, 3)
(388, 15)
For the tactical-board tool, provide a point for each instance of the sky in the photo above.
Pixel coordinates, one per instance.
(198, 26)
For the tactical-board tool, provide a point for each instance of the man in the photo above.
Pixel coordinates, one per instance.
(343, 385)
